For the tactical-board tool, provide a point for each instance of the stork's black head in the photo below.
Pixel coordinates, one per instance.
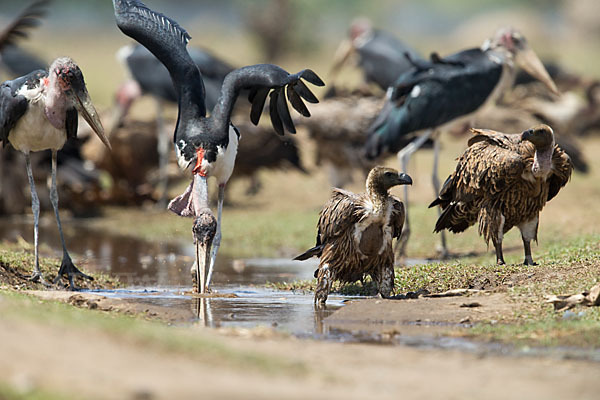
(204, 228)
(541, 136)
(381, 179)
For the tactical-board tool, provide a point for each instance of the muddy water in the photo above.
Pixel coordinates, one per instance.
(159, 274)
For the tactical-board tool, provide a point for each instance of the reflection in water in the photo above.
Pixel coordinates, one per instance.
(158, 273)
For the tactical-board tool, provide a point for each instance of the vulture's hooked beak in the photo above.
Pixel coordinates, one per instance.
(83, 104)
(531, 63)
(404, 179)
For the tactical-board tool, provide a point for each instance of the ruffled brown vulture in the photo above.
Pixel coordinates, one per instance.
(355, 233)
(504, 180)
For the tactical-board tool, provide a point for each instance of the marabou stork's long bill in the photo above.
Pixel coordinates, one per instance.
(355, 234)
(450, 90)
(502, 181)
(381, 56)
(149, 76)
(39, 111)
(208, 145)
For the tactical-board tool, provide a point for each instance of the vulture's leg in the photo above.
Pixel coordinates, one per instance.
(385, 283)
(497, 240)
(529, 233)
(323, 284)
(217, 239)
(435, 180)
(403, 157)
(35, 208)
(163, 155)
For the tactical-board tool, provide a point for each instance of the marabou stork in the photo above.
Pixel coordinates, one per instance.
(450, 90)
(39, 111)
(209, 144)
(381, 56)
(149, 76)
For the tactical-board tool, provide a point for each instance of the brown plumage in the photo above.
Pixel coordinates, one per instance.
(355, 233)
(339, 127)
(501, 181)
(260, 149)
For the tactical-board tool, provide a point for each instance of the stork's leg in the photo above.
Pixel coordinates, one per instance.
(403, 157)
(435, 180)
(217, 239)
(35, 208)
(67, 267)
(529, 233)
(324, 281)
(163, 155)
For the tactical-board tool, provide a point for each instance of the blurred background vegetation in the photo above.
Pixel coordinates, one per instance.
(306, 32)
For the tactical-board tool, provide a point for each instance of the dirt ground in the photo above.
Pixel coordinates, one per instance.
(97, 364)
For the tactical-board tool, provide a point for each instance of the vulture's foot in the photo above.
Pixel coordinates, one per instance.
(529, 262)
(71, 271)
(323, 285)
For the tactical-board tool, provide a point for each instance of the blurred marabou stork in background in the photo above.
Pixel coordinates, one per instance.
(381, 56)
(449, 90)
(208, 145)
(39, 111)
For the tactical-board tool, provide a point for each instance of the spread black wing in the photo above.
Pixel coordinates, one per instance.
(264, 80)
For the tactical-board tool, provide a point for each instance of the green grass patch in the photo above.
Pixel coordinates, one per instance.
(9, 392)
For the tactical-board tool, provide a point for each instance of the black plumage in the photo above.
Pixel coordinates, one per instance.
(209, 144)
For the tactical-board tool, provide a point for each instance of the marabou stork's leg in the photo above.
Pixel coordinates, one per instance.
(324, 281)
(67, 267)
(35, 208)
(217, 239)
(435, 180)
(403, 157)
(163, 155)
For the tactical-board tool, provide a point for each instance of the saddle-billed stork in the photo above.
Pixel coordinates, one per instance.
(39, 111)
(208, 144)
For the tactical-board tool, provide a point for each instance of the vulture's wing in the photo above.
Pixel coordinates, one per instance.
(397, 217)
(490, 164)
(338, 214)
(562, 166)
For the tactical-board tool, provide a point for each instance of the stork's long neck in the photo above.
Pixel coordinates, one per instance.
(55, 102)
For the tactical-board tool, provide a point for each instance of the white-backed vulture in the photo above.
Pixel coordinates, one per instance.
(504, 180)
(355, 233)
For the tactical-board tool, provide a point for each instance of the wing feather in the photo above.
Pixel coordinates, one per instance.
(167, 41)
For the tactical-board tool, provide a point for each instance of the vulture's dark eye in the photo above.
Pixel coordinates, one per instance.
(389, 174)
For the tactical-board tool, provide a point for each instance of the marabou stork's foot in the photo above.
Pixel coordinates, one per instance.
(71, 271)
(37, 277)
